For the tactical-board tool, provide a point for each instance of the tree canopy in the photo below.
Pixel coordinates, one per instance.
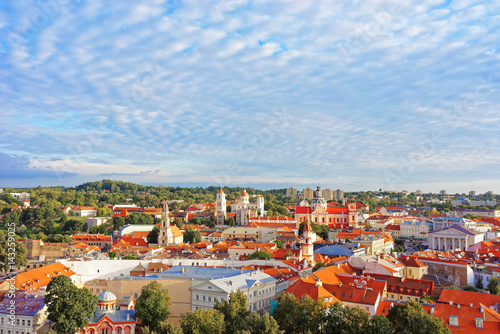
(67, 305)
(153, 305)
(191, 235)
(411, 318)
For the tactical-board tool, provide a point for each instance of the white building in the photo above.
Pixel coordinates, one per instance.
(244, 209)
(258, 287)
(30, 314)
(454, 237)
(95, 221)
(478, 213)
(84, 211)
(443, 222)
(20, 196)
(415, 228)
(383, 265)
(466, 201)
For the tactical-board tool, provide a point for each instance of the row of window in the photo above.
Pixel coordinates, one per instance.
(17, 332)
(18, 322)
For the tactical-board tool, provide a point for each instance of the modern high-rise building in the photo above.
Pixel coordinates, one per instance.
(328, 194)
(442, 192)
(339, 195)
(291, 192)
(472, 193)
(308, 193)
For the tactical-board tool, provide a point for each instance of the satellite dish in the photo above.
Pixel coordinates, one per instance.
(363, 282)
(356, 281)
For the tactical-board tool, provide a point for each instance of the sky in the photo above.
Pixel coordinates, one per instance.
(356, 95)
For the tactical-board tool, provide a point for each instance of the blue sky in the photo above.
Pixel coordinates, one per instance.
(355, 95)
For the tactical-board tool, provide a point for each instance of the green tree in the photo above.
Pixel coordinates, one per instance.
(164, 327)
(49, 226)
(179, 223)
(74, 225)
(68, 306)
(191, 235)
(203, 321)
(118, 222)
(129, 257)
(153, 305)
(411, 318)
(479, 282)
(319, 229)
(264, 324)
(112, 254)
(470, 288)
(230, 221)
(153, 235)
(320, 265)
(104, 212)
(279, 243)
(299, 316)
(210, 223)
(494, 286)
(19, 258)
(235, 311)
(379, 324)
(260, 255)
(100, 229)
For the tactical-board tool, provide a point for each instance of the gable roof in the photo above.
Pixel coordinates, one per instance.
(467, 297)
(40, 277)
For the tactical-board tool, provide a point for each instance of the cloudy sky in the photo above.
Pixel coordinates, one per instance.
(356, 95)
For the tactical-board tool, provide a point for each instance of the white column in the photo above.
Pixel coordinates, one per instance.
(437, 243)
(453, 243)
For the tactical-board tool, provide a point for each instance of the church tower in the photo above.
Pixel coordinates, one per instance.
(220, 207)
(260, 204)
(245, 199)
(308, 239)
(318, 201)
(165, 235)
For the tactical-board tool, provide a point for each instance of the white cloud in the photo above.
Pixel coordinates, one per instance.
(194, 87)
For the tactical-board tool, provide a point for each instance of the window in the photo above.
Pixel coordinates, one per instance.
(91, 290)
(203, 298)
(197, 297)
(23, 322)
(118, 330)
(97, 290)
(209, 298)
(17, 322)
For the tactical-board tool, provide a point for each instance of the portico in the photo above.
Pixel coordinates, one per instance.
(454, 237)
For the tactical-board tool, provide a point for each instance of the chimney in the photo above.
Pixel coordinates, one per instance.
(471, 305)
(458, 305)
(451, 302)
(128, 317)
(481, 309)
(184, 270)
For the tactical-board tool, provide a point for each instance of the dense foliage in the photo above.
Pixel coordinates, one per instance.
(67, 305)
(313, 317)
(153, 305)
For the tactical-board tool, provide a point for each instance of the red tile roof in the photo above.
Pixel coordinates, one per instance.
(40, 277)
(467, 297)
